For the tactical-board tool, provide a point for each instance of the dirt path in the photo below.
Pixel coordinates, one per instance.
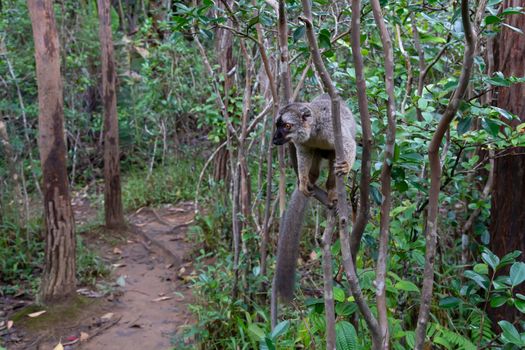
(147, 307)
(154, 304)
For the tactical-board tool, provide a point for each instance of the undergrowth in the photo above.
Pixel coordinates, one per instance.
(170, 183)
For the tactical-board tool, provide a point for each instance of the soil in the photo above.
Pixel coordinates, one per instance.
(142, 305)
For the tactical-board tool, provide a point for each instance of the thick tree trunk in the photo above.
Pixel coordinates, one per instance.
(508, 196)
(58, 280)
(112, 194)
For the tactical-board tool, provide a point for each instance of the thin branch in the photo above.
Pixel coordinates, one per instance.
(302, 79)
(408, 86)
(435, 175)
(328, 281)
(386, 175)
(367, 140)
(342, 203)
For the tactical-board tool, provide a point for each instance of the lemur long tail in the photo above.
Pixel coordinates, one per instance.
(288, 244)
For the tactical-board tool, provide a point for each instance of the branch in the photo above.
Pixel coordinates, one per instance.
(215, 85)
(328, 281)
(342, 203)
(408, 87)
(367, 140)
(435, 175)
(386, 174)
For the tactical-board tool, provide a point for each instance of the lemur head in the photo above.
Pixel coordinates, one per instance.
(293, 124)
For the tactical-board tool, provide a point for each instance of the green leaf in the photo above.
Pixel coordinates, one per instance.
(482, 269)
(256, 331)
(422, 103)
(507, 115)
(491, 127)
(517, 273)
(490, 258)
(280, 329)
(480, 280)
(339, 294)
(497, 301)
(407, 286)
(345, 309)
(449, 302)
(464, 125)
(510, 333)
(499, 80)
(512, 11)
(509, 258)
(298, 33)
(520, 305)
(324, 39)
(492, 19)
(345, 336)
(376, 195)
(268, 344)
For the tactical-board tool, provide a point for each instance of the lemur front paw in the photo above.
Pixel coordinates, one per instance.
(342, 168)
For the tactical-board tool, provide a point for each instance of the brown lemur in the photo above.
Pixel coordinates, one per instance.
(309, 127)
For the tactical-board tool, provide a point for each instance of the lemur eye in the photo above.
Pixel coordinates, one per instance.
(287, 126)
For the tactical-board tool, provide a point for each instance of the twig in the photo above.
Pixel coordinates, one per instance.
(386, 176)
(435, 175)
(364, 186)
(328, 281)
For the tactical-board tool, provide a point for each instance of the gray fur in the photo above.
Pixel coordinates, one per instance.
(288, 245)
(311, 131)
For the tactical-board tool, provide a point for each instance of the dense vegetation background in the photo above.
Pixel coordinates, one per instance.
(197, 88)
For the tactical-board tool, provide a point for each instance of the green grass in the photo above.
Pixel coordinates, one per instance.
(170, 183)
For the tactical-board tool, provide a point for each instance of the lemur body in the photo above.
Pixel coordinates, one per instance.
(309, 127)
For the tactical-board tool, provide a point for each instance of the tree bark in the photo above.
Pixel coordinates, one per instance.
(112, 193)
(58, 279)
(386, 176)
(366, 126)
(508, 196)
(435, 177)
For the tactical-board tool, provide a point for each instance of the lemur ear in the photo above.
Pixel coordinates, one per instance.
(305, 112)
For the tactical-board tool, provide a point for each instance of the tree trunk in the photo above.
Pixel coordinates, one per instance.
(58, 280)
(508, 196)
(112, 194)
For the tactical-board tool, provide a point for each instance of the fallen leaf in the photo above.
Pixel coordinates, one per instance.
(117, 251)
(9, 324)
(58, 347)
(168, 266)
(89, 293)
(36, 314)
(107, 316)
(162, 298)
(84, 336)
(121, 281)
(118, 265)
(314, 255)
(71, 340)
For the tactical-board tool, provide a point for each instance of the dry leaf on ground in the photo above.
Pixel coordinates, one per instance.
(36, 314)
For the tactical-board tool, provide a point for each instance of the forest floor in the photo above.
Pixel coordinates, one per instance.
(142, 304)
